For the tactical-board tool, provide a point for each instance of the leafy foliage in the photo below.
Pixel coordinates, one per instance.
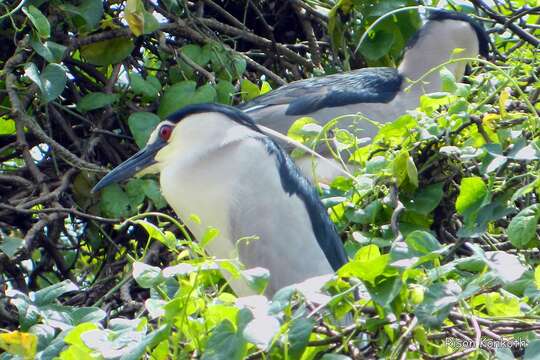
(440, 220)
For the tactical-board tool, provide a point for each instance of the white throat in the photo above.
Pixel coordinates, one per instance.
(435, 46)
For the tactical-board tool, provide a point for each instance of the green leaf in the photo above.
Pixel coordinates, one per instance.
(148, 88)
(87, 315)
(522, 228)
(175, 97)
(139, 20)
(367, 265)
(438, 301)
(533, 351)
(135, 192)
(54, 80)
(248, 90)
(185, 93)
(377, 46)
(32, 72)
(382, 7)
(145, 275)
(86, 15)
(199, 55)
(522, 191)
(423, 242)
(49, 50)
(77, 352)
(403, 170)
(385, 290)
(448, 81)
(226, 342)
(495, 210)
(153, 231)
(209, 235)
(472, 193)
(367, 215)
(96, 100)
(154, 308)
(537, 276)
(498, 304)
(331, 356)
(114, 202)
(225, 91)
(149, 341)
(51, 82)
(265, 87)
(394, 132)
(299, 332)
(426, 199)
(297, 131)
(431, 102)
(50, 294)
(39, 21)
(151, 24)
(344, 139)
(107, 52)
(7, 126)
(141, 125)
(204, 94)
(257, 278)
(527, 153)
(152, 191)
(10, 245)
(239, 66)
(412, 172)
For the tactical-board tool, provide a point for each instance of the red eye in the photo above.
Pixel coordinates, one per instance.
(165, 132)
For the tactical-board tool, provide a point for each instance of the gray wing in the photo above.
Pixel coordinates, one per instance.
(293, 182)
(368, 85)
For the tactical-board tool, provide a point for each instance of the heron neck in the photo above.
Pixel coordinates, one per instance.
(434, 45)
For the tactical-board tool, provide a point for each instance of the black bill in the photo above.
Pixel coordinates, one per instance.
(133, 165)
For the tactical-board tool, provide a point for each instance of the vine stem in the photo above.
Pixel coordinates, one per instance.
(15, 9)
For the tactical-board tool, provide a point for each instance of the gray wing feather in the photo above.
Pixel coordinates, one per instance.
(368, 85)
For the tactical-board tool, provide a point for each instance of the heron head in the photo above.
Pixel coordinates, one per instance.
(146, 160)
(179, 137)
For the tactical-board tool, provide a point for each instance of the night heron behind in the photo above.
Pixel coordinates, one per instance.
(214, 162)
(377, 93)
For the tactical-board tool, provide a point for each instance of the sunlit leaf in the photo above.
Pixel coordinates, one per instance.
(472, 193)
(19, 343)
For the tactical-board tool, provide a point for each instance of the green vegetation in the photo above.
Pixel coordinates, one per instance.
(440, 221)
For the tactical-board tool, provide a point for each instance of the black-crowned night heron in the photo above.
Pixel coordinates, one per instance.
(376, 93)
(214, 162)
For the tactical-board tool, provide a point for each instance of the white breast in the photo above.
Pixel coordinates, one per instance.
(237, 189)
